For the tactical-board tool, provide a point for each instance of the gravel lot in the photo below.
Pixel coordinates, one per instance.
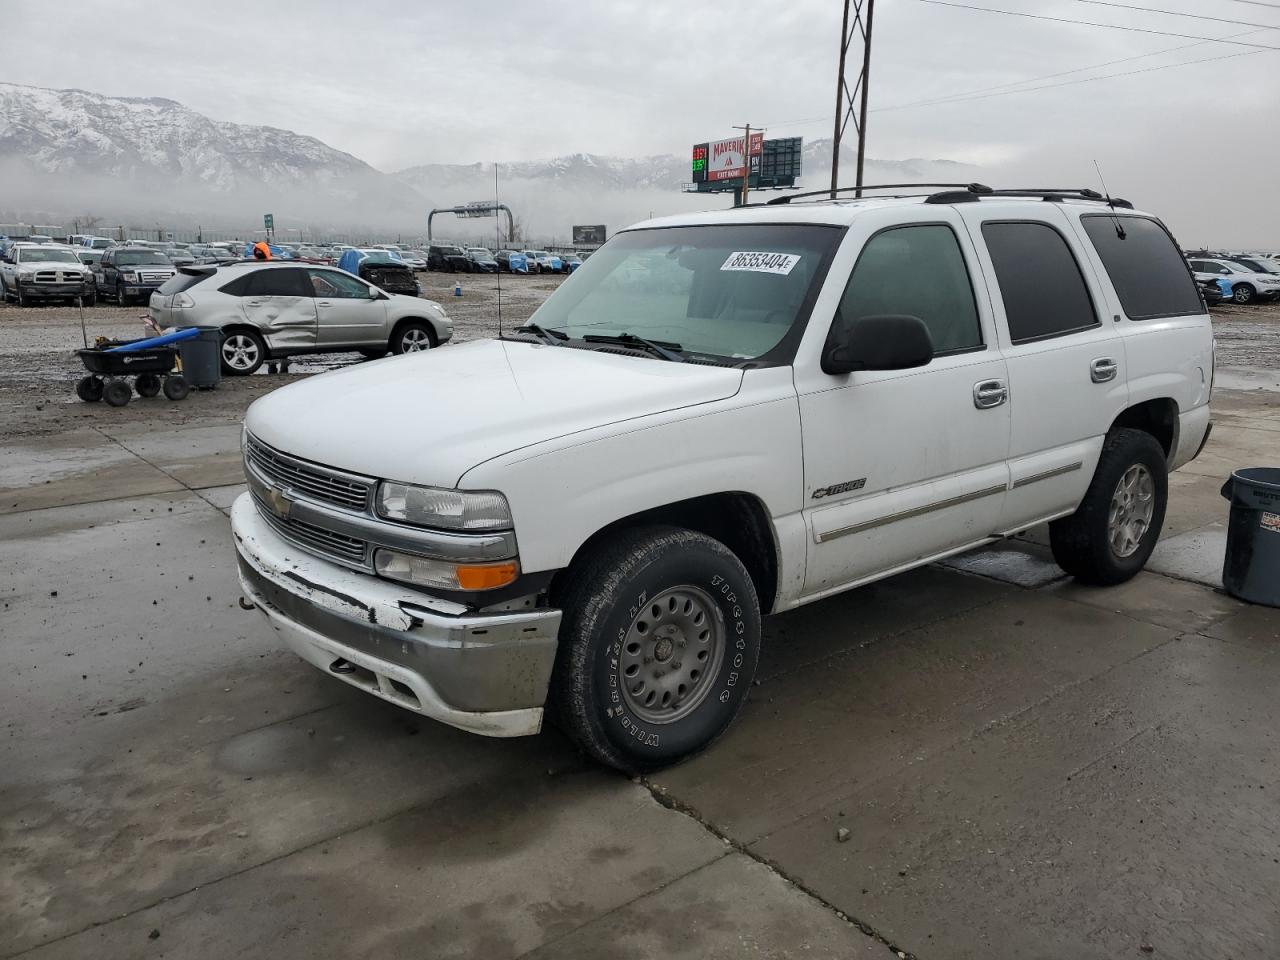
(38, 368)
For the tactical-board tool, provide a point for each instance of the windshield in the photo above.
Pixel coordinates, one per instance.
(38, 255)
(133, 258)
(732, 291)
(481, 253)
(381, 256)
(1260, 266)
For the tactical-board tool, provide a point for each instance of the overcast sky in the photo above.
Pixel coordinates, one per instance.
(408, 83)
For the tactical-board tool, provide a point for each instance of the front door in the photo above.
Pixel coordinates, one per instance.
(277, 301)
(349, 312)
(903, 465)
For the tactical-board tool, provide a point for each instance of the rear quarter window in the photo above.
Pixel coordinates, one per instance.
(1145, 266)
(180, 282)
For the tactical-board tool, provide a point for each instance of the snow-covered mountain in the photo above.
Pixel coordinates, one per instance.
(69, 153)
(72, 150)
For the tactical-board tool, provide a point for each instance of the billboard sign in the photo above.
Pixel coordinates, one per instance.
(726, 159)
(589, 236)
(477, 208)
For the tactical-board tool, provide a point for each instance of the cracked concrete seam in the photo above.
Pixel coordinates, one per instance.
(663, 798)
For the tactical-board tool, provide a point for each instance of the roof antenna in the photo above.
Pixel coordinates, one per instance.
(1111, 203)
(497, 226)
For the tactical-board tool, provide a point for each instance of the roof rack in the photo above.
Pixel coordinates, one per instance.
(972, 193)
(969, 187)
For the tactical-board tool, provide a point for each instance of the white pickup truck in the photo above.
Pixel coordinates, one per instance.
(717, 417)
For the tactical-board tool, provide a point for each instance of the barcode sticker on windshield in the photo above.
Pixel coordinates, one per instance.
(779, 263)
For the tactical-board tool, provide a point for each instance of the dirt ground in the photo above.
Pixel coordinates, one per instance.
(38, 367)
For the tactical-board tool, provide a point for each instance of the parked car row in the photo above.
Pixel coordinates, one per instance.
(1244, 279)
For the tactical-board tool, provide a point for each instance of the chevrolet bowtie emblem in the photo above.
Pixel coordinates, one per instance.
(280, 502)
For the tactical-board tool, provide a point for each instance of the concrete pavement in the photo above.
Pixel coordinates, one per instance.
(1026, 767)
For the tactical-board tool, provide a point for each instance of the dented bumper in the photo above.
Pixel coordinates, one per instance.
(484, 673)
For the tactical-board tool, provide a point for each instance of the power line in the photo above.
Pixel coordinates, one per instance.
(1069, 83)
(1178, 13)
(1091, 23)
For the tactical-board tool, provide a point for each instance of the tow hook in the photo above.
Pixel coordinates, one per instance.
(342, 666)
(246, 605)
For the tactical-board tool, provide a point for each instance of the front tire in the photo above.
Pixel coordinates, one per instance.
(1243, 293)
(242, 353)
(658, 647)
(1109, 538)
(413, 337)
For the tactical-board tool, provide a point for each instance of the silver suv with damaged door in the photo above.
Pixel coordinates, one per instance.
(268, 311)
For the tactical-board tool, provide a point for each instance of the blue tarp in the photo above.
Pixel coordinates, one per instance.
(350, 261)
(1225, 287)
(519, 263)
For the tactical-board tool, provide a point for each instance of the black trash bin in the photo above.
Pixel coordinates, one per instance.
(1251, 570)
(201, 363)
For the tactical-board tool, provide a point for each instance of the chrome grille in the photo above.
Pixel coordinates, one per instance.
(58, 276)
(310, 479)
(321, 541)
(154, 276)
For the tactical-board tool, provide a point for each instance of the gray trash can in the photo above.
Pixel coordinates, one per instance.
(201, 363)
(1251, 570)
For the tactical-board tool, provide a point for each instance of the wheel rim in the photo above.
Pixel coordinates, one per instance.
(239, 352)
(1132, 506)
(415, 339)
(671, 653)
(1242, 295)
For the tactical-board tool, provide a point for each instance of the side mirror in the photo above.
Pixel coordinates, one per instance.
(885, 342)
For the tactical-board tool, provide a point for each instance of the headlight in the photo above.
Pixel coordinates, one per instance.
(129, 275)
(468, 510)
(444, 574)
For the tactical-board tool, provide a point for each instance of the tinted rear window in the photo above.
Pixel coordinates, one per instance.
(182, 281)
(1043, 290)
(1144, 265)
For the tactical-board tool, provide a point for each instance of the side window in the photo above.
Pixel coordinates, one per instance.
(1145, 266)
(330, 283)
(917, 270)
(276, 282)
(1043, 290)
(1197, 265)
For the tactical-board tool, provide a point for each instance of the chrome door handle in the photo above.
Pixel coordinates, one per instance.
(1102, 370)
(253, 303)
(989, 393)
(323, 303)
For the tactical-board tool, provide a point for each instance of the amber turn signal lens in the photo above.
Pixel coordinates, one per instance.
(487, 577)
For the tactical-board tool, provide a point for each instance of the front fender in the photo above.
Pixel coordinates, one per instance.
(565, 490)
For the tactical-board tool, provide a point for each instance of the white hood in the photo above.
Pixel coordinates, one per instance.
(430, 417)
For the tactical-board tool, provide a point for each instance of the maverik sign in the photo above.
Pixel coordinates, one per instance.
(725, 160)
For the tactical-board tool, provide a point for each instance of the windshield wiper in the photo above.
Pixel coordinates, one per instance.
(551, 338)
(663, 350)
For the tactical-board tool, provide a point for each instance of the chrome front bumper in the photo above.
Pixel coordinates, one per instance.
(487, 674)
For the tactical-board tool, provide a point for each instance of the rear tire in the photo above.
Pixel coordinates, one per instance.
(658, 646)
(89, 389)
(1109, 538)
(242, 352)
(147, 384)
(176, 387)
(116, 392)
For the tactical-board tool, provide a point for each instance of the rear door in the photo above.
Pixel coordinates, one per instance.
(348, 311)
(1067, 376)
(278, 302)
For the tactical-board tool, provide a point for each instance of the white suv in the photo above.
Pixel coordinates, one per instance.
(717, 417)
